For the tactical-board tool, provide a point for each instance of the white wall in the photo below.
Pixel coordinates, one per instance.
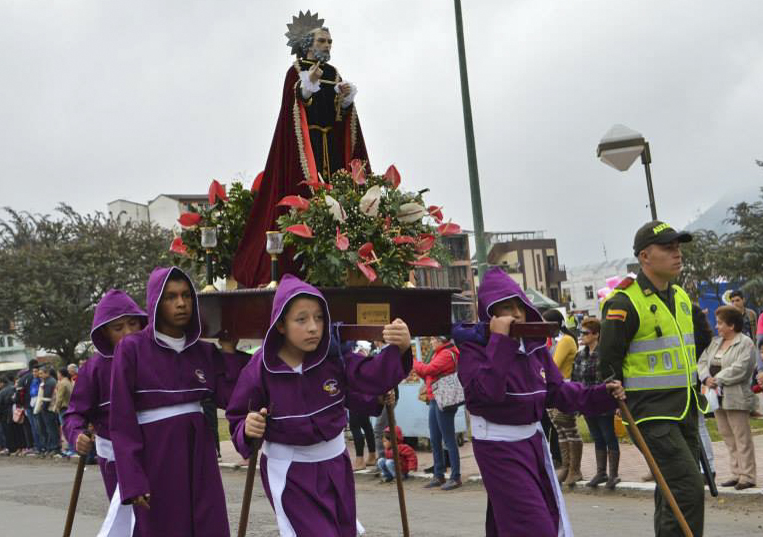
(128, 211)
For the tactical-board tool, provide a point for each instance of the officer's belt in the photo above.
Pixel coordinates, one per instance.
(663, 381)
(660, 343)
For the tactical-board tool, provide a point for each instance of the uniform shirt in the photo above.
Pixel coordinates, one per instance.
(617, 332)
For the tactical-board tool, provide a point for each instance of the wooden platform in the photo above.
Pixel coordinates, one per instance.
(245, 313)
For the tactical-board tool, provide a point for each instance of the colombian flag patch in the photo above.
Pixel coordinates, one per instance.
(617, 315)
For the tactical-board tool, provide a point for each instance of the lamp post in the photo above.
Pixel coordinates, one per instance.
(209, 241)
(273, 246)
(620, 147)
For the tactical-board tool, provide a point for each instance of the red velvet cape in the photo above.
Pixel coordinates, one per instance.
(290, 162)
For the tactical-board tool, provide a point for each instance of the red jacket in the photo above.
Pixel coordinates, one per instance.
(443, 363)
(408, 460)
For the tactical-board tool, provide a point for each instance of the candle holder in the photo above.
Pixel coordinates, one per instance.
(273, 246)
(208, 242)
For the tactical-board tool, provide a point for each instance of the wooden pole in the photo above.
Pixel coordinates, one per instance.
(251, 469)
(75, 495)
(398, 471)
(636, 434)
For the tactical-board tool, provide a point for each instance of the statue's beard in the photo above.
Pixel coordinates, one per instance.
(322, 55)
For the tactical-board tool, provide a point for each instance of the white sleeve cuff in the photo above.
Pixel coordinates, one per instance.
(348, 100)
(308, 87)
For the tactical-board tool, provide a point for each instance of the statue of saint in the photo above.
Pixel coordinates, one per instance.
(317, 133)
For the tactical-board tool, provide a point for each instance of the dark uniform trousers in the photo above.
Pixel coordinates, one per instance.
(675, 447)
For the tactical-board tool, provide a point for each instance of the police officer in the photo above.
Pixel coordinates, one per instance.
(647, 341)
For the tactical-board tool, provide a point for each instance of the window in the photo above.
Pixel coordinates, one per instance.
(2, 341)
(10, 341)
(550, 262)
(589, 292)
(554, 294)
(540, 266)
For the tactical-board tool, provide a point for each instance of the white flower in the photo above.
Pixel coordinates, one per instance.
(336, 210)
(369, 203)
(411, 212)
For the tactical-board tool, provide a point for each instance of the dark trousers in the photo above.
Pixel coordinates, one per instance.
(602, 429)
(675, 447)
(551, 436)
(50, 431)
(360, 424)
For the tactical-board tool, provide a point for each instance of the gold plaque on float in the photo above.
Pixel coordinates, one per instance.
(373, 314)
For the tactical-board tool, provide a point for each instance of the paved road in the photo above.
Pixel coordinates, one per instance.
(34, 495)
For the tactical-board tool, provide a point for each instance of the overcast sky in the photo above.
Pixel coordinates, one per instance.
(129, 99)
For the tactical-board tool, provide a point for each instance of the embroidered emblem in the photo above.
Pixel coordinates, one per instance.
(543, 373)
(200, 376)
(685, 308)
(331, 387)
(659, 229)
(617, 315)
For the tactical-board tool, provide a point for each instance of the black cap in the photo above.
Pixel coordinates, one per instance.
(656, 232)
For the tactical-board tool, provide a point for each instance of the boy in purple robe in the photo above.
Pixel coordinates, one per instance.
(116, 315)
(165, 451)
(293, 394)
(507, 384)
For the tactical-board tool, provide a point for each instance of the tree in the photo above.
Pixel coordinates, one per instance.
(706, 261)
(56, 269)
(747, 248)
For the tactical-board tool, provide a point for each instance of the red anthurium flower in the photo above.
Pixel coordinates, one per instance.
(178, 247)
(317, 185)
(449, 228)
(425, 262)
(366, 251)
(189, 219)
(424, 242)
(403, 239)
(392, 176)
(300, 230)
(358, 171)
(297, 202)
(216, 190)
(258, 182)
(367, 271)
(435, 212)
(342, 242)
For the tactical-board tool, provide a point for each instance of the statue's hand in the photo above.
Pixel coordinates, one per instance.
(315, 73)
(344, 89)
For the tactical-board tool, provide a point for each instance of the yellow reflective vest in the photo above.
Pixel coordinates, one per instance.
(662, 355)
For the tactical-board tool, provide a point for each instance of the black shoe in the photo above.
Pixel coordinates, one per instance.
(742, 486)
(429, 470)
(730, 483)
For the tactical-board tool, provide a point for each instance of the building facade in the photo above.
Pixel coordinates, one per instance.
(583, 282)
(164, 210)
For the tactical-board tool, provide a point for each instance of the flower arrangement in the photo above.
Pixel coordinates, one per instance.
(363, 225)
(228, 213)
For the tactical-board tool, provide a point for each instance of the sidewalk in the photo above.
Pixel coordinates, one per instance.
(632, 464)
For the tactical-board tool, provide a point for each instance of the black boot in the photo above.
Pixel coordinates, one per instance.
(614, 464)
(601, 469)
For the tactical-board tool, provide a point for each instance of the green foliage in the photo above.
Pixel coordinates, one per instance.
(56, 269)
(229, 217)
(324, 264)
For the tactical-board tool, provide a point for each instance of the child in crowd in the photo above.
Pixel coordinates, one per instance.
(293, 393)
(408, 460)
(507, 384)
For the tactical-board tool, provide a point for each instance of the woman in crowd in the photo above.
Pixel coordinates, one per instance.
(602, 426)
(441, 422)
(726, 367)
(570, 444)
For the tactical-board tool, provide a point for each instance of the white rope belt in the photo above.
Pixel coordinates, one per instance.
(104, 448)
(164, 412)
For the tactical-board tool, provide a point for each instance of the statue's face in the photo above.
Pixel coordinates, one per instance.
(321, 49)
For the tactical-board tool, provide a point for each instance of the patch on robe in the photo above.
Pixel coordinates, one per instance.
(617, 315)
(331, 386)
(543, 373)
(200, 376)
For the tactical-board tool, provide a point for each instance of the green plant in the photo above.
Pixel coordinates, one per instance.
(357, 224)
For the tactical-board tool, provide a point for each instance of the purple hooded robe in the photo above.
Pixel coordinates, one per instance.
(507, 384)
(90, 398)
(307, 408)
(173, 458)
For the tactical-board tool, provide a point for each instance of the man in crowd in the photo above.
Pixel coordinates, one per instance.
(750, 323)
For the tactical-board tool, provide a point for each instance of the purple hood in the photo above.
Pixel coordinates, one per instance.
(156, 283)
(498, 286)
(289, 288)
(112, 306)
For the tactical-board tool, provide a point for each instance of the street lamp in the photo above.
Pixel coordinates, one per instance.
(209, 241)
(620, 147)
(273, 246)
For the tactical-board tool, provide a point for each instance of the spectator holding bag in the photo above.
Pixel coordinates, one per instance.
(441, 420)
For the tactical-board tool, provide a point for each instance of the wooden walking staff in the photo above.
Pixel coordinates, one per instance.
(75, 495)
(636, 434)
(398, 472)
(251, 470)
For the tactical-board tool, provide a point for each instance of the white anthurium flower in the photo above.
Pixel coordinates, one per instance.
(369, 203)
(336, 210)
(411, 212)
